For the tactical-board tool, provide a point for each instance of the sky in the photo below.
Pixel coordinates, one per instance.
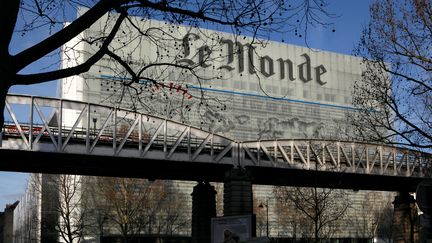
(352, 16)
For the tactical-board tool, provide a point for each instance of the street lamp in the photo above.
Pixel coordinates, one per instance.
(262, 205)
(94, 123)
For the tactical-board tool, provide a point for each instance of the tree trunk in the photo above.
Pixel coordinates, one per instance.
(316, 219)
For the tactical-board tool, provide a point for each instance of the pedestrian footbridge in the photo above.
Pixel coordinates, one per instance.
(62, 136)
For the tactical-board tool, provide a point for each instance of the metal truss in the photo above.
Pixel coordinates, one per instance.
(337, 156)
(65, 126)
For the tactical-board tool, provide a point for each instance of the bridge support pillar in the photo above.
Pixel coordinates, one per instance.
(424, 202)
(203, 209)
(405, 218)
(238, 193)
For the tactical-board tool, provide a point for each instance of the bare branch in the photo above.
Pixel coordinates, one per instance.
(60, 38)
(78, 69)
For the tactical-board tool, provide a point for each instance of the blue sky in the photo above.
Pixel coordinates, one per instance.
(352, 16)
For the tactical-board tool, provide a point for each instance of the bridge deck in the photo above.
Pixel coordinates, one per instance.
(91, 139)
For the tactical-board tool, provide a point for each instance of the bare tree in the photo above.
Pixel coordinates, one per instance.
(260, 209)
(385, 229)
(63, 209)
(291, 221)
(105, 205)
(71, 209)
(119, 28)
(371, 213)
(131, 206)
(368, 215)
(173, 217)
(394, 93)
(321, 207)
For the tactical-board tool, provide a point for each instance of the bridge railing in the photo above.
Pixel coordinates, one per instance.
(65, 126)
(338, 156)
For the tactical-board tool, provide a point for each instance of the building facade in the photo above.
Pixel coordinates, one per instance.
(27, 216)
(233, 85)
(7, 222)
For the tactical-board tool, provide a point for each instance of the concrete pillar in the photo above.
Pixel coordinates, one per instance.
(405, 218)
(424, 202)
(425, 228)
(238, 193)
(203, 209)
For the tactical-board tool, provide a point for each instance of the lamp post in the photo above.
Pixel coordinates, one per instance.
(262, 205)
(94, 125)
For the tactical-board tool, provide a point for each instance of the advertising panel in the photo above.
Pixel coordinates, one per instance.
(231, 229)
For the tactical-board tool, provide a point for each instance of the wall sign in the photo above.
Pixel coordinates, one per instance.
(266, 64)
